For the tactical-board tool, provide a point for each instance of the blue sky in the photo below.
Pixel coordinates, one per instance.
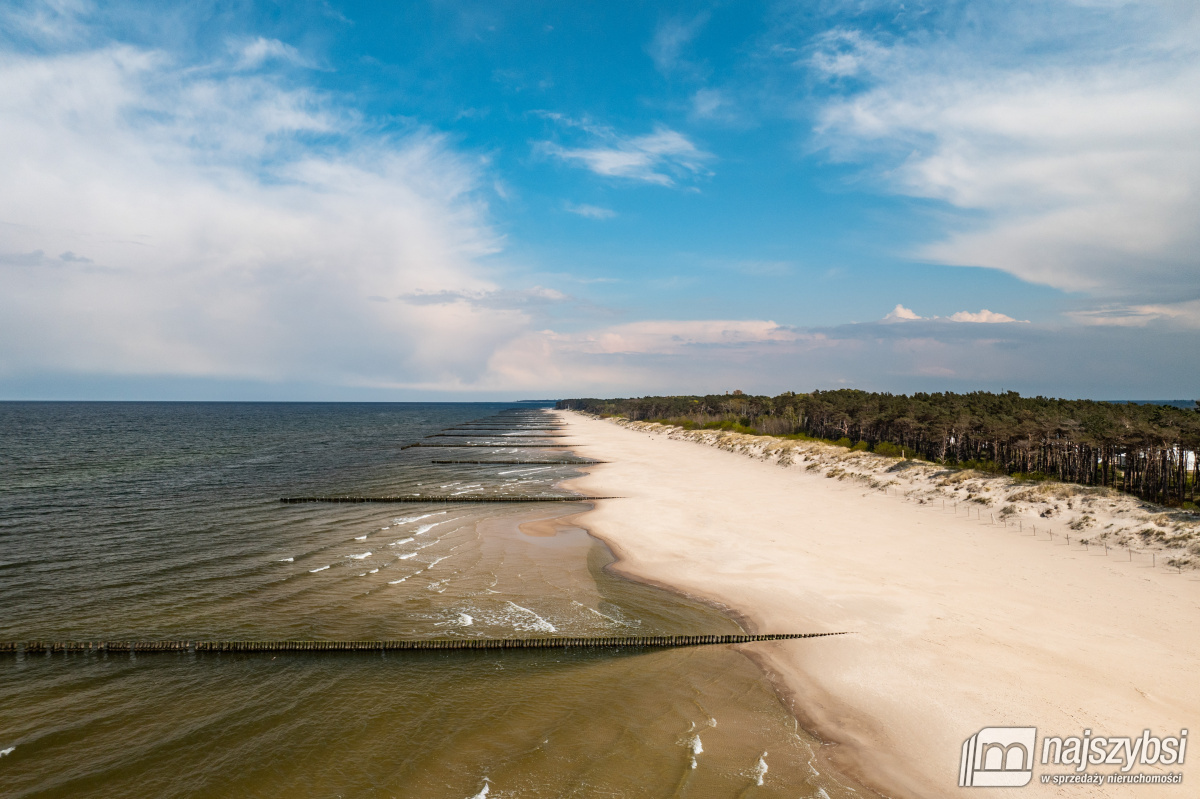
(499, 200)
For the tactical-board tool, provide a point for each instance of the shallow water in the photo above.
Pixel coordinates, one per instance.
(153, 521)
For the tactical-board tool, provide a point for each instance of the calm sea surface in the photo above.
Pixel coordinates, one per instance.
(162, 521)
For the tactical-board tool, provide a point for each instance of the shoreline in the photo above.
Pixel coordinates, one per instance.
(958, 626)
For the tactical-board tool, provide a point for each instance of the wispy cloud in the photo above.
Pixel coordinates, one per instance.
(670, 39)
(590, 211)
(258, 51)
(499, 299)
(1077, 156)
(1178, 314)
(663, 157)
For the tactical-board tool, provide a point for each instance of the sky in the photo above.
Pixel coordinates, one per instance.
(488, 200)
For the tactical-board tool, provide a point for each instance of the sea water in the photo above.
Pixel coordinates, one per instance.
(149, 521)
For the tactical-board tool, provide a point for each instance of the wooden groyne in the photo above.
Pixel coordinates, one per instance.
(505, 426)
(524, 463)
(500, 435)
(487, 446)
(642, 642)
(451, 498)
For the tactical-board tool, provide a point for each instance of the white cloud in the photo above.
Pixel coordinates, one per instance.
(664, 355)
(845, 52)
(590, 211)
(257, 51)
(669, 336)
(199, 235)
(662, 157)
(902, 314)
(982, 317)
(671, 37)
(1080, 163)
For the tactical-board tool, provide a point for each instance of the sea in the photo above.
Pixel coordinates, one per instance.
(162, 521)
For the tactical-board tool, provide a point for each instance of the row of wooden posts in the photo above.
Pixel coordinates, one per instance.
(527, 462)
(451, 498)
(651, 641)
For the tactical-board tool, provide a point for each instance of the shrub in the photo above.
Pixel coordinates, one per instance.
(889, 450)
(843, 442)
(861, 446)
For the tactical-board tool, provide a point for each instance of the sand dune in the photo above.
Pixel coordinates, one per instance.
(958, 624)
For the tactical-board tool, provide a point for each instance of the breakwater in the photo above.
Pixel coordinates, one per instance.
(648, 641)
(488, 446)
(525, 463)
(461, 498)
(500, 435)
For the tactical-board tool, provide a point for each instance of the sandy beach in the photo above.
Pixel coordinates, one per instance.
(957, 624)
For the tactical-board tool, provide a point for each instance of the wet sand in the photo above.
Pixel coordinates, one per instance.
(956, 625)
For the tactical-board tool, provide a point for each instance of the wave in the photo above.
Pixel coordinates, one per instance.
(760, 771)
(407, 519)
(360, 538)
(397, 582)
(401, 541)
(286, 560)
(360, 557)
(617, 622)
(483, 792)
(522, 471)
(407, 555)
(695, 747)
(540, 624)
(314, 571)
(7, 751)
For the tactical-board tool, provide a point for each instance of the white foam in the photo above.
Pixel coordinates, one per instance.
(372, 571)
(286, 560)
(314, 571)
(525, 471)
(617, 622)
(425, 528)
(401, 541)
(395, 582)
(483, 792)
(436, 562)
(407, 519)
(360, 538)
(465, 619)
(362, 556)
(760, 771)
(541, 625)
(7, 751)
(408, 555)
(697, 747)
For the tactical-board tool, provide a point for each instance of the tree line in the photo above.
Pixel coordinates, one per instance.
(1147, 450)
